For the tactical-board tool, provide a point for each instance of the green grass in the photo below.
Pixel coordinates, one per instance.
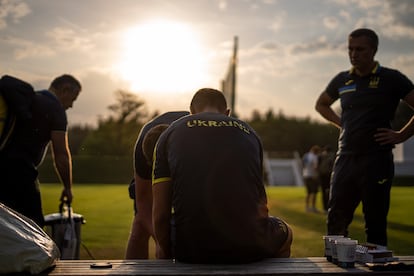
(108, 213)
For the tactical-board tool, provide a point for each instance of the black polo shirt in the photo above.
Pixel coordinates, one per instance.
(29, 142)
(215, 165)
(142, 168)
(367, 103)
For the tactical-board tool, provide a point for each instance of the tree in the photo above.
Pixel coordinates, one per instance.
(77, 135)
(285, 135)
(127, 108)
(116, 134)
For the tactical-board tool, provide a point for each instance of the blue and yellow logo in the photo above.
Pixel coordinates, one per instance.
(347, 89)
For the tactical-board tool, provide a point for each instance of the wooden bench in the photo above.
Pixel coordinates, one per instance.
(279, 267)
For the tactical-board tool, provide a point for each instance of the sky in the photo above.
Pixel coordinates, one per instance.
(165, 50)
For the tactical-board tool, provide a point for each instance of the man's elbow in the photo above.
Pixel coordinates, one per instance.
(318, 104)
(319, 107)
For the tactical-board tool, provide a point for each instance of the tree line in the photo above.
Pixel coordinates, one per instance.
(116, 134)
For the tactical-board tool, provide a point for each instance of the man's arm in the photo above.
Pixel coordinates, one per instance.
(389, 136)
(63, 162)
(142, 225)
(161, 215)
(143, 201)
(323, 106)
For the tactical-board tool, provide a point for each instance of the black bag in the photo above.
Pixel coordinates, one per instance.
(16, 97)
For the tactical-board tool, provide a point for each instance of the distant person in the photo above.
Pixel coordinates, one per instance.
(208, 170)
(19, 160)
(141, 189)
(311, 177)
(326, 161)
(364, 169)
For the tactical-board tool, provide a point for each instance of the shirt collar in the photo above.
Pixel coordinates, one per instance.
(49, 94)
(374, 71)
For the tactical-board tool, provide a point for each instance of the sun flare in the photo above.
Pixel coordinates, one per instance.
(162, 57)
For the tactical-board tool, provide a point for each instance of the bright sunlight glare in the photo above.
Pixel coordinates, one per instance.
(162, 57)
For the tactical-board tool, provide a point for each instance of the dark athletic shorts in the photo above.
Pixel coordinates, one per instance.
(311, 185)
(275, 233)
(278, 234)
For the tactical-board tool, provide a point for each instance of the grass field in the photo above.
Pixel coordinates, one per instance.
(108, 213)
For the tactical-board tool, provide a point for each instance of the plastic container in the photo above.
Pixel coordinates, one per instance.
(346, 251)
(328, 246)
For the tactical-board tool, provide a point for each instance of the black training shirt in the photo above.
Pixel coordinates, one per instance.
(367, 103)
(29, 141)
(215, 165)
(142, 168)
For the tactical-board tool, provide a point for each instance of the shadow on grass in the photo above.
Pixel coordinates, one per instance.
(308, 221)
(392, 225)
(400, 236)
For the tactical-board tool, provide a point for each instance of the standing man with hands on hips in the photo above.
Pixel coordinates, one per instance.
(369, 95)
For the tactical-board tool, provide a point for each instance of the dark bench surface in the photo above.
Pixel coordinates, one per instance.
(292, 266)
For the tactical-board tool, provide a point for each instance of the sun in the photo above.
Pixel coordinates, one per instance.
(162, 57)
